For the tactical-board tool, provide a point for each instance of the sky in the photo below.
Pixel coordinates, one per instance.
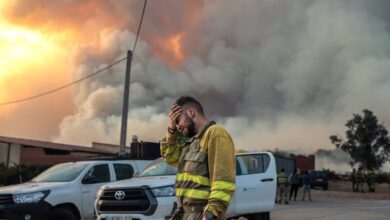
(275, 73)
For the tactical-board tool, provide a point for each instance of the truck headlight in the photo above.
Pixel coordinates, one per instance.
(100, 193)
(164, 191)
(30, 197)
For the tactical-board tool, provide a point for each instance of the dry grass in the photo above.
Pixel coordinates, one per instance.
(343, 189)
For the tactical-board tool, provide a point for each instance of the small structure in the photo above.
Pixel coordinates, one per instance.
(15, 151)
(285, 162)
(305, 162)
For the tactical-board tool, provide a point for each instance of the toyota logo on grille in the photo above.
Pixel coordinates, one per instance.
(119, 195)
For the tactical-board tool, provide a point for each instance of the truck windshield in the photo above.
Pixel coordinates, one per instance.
(158, 168)
(64, 172)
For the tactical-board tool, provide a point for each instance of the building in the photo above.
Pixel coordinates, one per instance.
(285, 162)
(291, 162)
(15, 151)
(136, 150)
(305, 162)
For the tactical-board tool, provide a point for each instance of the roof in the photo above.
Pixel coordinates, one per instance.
(51, 145)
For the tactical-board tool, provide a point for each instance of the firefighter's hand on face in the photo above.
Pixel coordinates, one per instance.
(174, 116)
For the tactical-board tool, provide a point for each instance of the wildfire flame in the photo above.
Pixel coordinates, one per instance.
(174, 44)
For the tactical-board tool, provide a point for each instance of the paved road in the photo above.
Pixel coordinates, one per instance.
(333, 209)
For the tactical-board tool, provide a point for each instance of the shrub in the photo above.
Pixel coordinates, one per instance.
(19, 173)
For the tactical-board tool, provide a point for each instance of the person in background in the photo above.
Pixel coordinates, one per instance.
(354, 180)
(360, 180)
(306, 185)
(293, 179)
(282, 184)
(371, 180)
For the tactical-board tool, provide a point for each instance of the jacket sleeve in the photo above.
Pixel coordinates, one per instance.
(170, 149)
(222, 170)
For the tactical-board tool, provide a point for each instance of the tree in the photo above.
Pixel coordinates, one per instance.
(366, 142)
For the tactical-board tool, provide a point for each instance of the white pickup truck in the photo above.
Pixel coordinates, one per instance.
(151, 194)
(65, 191)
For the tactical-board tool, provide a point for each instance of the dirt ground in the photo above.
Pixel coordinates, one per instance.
(338, 203)
(343, 189)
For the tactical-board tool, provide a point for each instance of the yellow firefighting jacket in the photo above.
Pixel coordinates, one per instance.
(206, 168)
(282, 179)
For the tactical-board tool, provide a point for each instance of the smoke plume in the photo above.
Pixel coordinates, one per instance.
(274, 73)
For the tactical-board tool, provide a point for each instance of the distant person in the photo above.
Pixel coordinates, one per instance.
(354, 180)
(306, 185)
(371, 180)
(282, 187)
(294, 184)
(360, 180)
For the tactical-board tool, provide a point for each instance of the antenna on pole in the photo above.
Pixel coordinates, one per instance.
(125, 108)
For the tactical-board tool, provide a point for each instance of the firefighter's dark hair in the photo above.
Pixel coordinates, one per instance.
(190, 101)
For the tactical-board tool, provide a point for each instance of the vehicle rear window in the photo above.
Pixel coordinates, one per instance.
(123, 171)
(251, 164)
(318, 173)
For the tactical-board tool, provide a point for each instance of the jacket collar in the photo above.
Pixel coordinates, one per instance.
(204, 129)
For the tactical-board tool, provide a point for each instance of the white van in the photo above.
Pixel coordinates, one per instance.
(151, 194)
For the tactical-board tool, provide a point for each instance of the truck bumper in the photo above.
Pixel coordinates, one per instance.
(165, 208)
(29, 211)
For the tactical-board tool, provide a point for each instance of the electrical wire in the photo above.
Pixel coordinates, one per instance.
(139, 26)
(84, 78)
(64, 86)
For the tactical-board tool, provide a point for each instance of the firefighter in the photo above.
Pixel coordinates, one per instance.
(282, 187)
(360, 180)
(205, 179)
(354, 180)
(371, 180)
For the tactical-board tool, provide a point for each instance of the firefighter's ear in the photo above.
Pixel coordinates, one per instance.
(191, 112)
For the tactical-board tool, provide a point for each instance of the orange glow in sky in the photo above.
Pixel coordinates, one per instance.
(169, 49)
(19, 45)
(31, 62)
(174, 45)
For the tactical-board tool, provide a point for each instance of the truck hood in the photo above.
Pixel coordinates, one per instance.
(31, 187)
(151, 181)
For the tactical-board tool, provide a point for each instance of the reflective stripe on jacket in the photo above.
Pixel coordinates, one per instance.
(206, 167)
(282, 178)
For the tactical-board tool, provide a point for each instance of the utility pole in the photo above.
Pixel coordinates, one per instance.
(125, 109)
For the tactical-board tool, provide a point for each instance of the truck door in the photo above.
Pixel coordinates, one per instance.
(92, 181)
(255, 183)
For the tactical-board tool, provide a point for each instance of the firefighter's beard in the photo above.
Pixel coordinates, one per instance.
(189, 131)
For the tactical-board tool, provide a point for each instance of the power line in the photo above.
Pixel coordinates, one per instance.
(64, 86)
(86, 77)
(139, 26)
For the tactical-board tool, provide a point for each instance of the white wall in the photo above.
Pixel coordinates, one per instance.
(3, 152)
(14, 154)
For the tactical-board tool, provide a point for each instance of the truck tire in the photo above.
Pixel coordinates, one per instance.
(258, 216)
(261, 216)
(61, 214)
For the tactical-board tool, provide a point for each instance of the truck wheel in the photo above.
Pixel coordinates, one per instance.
(61, 214)
(260, 216)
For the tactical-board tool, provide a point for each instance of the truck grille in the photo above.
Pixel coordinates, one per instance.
(2, 216)
(138, 200)
(6, 199)
(130, 194)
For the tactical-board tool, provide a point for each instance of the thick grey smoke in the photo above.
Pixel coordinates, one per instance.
(274, 73)
(336, 160)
